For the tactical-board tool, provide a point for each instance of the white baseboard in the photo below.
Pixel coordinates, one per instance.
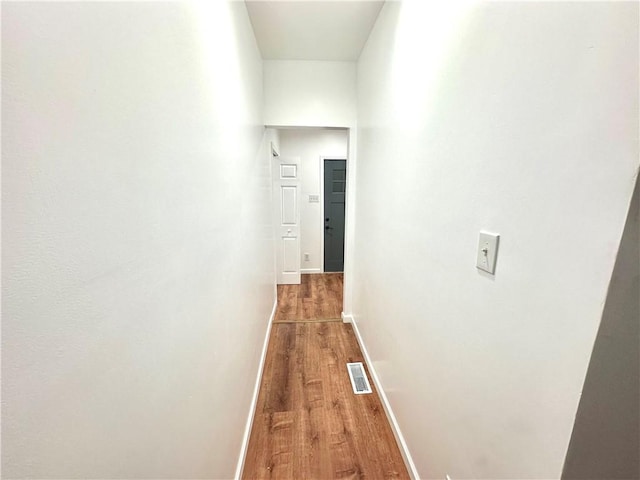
(254, 400)
(402, 445)
(310, 270)
(346, 318)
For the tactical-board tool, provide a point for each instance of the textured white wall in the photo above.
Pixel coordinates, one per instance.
(310, 145)
(137, 247)
(518, 118)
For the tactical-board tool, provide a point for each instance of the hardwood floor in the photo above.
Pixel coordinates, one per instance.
(308, 422)
(318, 297)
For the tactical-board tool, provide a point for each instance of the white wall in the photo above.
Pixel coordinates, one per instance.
(309, 93)
(135, 216)
(517, 118)
(310, 145)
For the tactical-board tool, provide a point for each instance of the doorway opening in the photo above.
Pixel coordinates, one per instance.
(310, 197)
(311, 172)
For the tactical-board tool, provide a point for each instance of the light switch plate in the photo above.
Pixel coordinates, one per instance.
(314, 198)
(487, 252)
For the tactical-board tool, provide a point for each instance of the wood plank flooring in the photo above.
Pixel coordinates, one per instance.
(318, 297)
(309, 424)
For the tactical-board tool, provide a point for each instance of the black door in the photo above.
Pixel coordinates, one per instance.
(335, 181)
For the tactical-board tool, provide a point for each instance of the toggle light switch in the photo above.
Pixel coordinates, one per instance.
(487, 252)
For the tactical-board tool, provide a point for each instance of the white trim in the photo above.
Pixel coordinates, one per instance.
(346, 318)
(402, 445)
(254, 400)
(349, 218)
(322, 214)
(310, 270)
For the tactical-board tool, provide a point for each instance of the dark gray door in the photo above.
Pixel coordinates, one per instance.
(335, 182)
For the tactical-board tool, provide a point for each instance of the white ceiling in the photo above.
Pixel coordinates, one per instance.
(312, 29)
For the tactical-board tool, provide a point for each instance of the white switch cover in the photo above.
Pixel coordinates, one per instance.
(314, 198)
(487, 251)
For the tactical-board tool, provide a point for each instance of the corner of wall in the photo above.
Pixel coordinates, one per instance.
(609, 447)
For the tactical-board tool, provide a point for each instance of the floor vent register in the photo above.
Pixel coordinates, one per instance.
(359, 380)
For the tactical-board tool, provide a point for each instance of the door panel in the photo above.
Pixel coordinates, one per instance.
(290, 255)
(335, 181)
(289, 171)
(286, 204)
(289, 206)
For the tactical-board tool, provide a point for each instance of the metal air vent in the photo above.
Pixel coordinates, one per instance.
(359, 380)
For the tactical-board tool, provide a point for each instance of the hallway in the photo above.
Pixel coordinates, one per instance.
(141, 239)
(318, 297)
(308, 421)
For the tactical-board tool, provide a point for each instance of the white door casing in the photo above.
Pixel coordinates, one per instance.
(286, 214)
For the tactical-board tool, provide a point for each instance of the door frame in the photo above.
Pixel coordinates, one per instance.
(349, 220)
(346, 162)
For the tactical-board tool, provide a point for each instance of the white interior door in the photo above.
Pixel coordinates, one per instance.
(286, 204)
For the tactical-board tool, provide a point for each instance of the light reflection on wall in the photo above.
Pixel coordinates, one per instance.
(222, 73)
(425, 35)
